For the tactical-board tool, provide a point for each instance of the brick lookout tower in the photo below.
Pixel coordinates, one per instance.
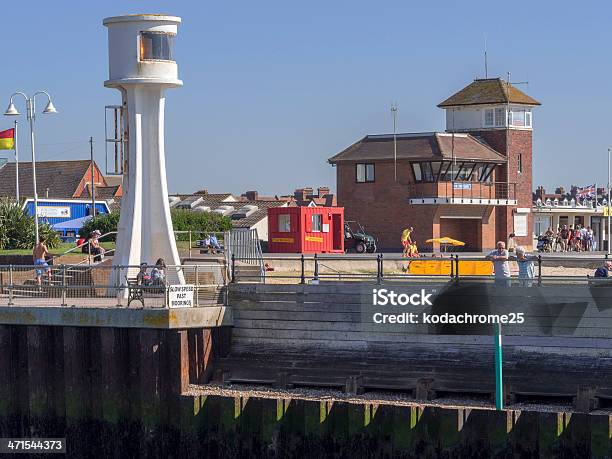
(471, 182)
(501, 115)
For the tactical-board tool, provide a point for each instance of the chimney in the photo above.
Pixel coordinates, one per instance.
(299, 194)
(323, 191)
(252, 195)
(540, 192)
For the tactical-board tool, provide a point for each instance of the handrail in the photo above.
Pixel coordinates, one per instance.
(244, 245)
(463, 189)
(86, 243)
(339, 273)
(102, 283)
(539, 261)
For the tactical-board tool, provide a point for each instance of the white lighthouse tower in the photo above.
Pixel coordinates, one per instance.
(142, 67)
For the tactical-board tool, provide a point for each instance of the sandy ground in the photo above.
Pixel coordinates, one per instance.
(381, 398)
(563, 271)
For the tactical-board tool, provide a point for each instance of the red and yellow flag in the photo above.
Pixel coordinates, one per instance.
(7, 139)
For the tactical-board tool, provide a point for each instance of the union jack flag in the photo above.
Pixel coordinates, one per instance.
(586, 192)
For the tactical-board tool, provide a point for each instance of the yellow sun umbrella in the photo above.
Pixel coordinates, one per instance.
(446, 241)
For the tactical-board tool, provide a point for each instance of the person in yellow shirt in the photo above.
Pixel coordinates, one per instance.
(406, 241)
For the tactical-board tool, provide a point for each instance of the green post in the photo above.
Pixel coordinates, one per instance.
(499, 389)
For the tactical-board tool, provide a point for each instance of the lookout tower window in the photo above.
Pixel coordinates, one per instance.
(156, 46)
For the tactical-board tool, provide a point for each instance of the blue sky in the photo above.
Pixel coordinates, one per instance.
(272, 89)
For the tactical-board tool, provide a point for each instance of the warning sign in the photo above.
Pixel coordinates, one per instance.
(180, 296)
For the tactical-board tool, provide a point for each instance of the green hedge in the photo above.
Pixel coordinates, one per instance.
(182, 220)
(185, 220)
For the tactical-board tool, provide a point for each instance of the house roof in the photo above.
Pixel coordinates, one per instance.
(227, 196)
(113, 180)
(258, 215)
(215, 201)
(329, 200)
(102, 192)
(488, 91)
(425, 146)
(60, 178)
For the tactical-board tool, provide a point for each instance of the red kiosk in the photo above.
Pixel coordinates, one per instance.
(306, 229)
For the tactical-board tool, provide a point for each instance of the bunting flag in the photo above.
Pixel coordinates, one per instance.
(7, 139)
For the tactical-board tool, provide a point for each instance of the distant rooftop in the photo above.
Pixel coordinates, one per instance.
(243, 213)
(488, 91)
(55, 179)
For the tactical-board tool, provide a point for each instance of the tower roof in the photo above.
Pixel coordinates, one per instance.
(488, 91)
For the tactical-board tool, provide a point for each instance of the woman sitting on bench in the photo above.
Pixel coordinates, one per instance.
(158, 273)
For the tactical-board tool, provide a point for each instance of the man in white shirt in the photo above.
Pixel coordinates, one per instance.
(501, 266)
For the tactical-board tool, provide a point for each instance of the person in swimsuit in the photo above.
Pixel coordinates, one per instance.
(39, 254)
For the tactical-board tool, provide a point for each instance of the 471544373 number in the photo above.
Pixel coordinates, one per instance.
(32, 445)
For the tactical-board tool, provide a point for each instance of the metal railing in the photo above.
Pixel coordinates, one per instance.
(244, 255)
(192, 237)
(108, 286)
(463, 190)
(305, 269)
(196, 240)
(87, 246)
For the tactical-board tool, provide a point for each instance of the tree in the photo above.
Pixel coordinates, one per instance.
(18, 229)
(105, 223)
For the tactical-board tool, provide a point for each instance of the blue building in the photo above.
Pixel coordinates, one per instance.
(66, 216)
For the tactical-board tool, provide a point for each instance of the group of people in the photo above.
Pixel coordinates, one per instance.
(157, 276)
(578, 239)
(501, 258)
(409, 246)
(211, 243)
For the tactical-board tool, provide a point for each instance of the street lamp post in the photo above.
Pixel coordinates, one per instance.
(608, 201)
(31, 115)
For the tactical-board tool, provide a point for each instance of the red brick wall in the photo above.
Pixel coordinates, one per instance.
(484, 233)
(98, 180)
(519, 142)
(466, 230)
(382, 208)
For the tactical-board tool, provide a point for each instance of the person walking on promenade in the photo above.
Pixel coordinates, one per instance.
(39, 254)
(565, 235)
(501, 267)
(557, 240)
(590, 239)
(571, 238)
(512, 242)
